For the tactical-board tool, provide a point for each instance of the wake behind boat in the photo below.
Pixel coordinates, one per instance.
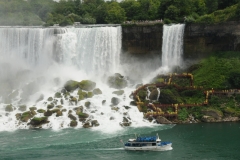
(147, 144)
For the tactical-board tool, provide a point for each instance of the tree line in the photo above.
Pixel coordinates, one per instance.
(66, 12)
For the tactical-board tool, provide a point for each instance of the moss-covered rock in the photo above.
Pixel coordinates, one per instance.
(50, 99)
(58, 95)
(26, 116)
(73, 123)
(87, 125)
(142, 94)
(83, 115)
(81, 95)
(87, 85)
(71, 85)
(41, 111)
(119, 92)
(36, 121)
(90, 94)
(22, 108)
(9, 108)
(97, 91)
(169, 96)
(117, 81)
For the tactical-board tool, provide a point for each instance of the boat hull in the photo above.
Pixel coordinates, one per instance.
(150, 148)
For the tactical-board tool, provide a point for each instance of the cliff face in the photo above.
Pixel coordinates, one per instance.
(140, 39)
(199, 39)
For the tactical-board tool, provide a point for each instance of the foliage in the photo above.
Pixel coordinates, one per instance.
(215, 70)
(182, 114)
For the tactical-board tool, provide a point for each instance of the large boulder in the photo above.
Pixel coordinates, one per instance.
(71, 85)
(117, 81)
(37, 121)
(26, 116)
(73, 123)
(216, 114)
(163, 120)
(87, 85)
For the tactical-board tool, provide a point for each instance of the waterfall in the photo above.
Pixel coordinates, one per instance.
(172, 46)
(35, 63)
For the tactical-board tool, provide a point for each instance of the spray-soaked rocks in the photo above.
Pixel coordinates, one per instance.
(38, 121)
(117, 81)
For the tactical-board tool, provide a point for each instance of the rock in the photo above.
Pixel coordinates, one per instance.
(154, 95)
(9, 108)
(58, 95)
(22, 108)
(26, 116)
(208, 119)
(216, 114)
(231, 119)
(111, 118)
(50, 99)
(59, 106)
(83, 115)
(50, 106)
(87, 85)
(63, 91)
(73, 123)
(61, 101)
(36, 121)
(133, 103)
(163, 120)
(41, 111)
(87, 104)
(95, 123)
(115, 108)
(97, 91)
(59, 113)
(32, 108)
(119, 92)
(71, 85)
(48, 113)
(126, 107)
(115, 101)
(103, 102)
(90, 95)
(117, 82)
(78, 109)
(64, 110)
(18, 116)
(73, 100)
(72, 117)
(87, 125)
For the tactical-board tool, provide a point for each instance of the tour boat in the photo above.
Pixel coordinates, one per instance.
(152, 143)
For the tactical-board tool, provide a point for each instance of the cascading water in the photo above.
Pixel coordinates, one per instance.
(172, 46)
(35, 63)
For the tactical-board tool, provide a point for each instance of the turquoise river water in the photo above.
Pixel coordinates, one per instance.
(204, 141)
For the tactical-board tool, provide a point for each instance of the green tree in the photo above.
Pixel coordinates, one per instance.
(172, 13)
(115, 14)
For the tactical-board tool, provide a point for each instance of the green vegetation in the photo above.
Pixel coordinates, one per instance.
(66, 12)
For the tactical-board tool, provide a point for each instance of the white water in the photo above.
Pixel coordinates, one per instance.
(35, 62)
(172, 47)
